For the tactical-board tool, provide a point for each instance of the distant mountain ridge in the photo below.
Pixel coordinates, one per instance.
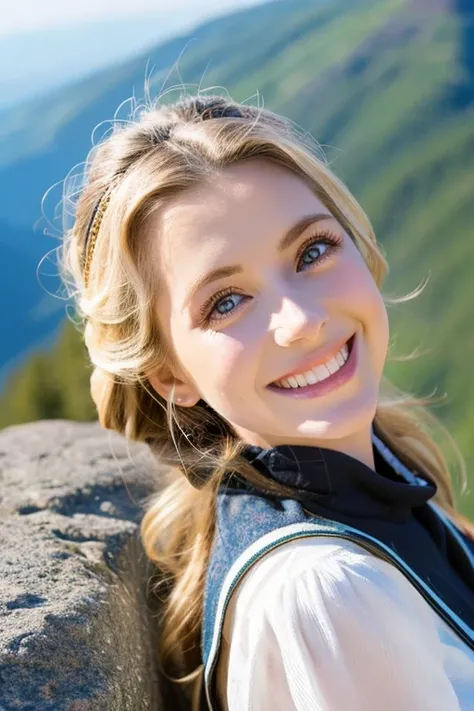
(387, 86)
(107, 41)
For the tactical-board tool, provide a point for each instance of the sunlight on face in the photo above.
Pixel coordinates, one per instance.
(259, 279)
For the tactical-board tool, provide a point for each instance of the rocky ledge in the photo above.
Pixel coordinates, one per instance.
(77, 629)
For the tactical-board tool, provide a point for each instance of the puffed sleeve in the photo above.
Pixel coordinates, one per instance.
(323, 627)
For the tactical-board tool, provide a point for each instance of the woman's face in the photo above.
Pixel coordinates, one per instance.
(260, 281)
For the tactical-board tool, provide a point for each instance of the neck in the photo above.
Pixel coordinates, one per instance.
(357, 444)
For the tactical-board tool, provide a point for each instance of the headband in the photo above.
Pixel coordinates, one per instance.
(93, 231)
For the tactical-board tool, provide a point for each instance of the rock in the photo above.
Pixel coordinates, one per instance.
(77, 628)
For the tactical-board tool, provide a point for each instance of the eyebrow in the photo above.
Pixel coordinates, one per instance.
(286, 241)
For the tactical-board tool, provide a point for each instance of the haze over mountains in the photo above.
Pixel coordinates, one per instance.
(48, 53)
(386, 85)
(45, 59)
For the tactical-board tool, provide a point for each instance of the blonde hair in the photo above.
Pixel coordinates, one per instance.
(149, 161)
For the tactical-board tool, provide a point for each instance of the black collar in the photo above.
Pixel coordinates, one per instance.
(343, 483)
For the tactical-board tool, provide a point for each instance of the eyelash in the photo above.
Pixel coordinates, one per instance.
(332, 240)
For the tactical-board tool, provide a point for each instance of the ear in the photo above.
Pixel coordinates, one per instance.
(185, 393)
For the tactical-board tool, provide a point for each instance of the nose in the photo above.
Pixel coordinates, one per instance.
(294, 322)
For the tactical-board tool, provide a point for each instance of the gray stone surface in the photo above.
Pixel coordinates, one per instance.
(77, 628)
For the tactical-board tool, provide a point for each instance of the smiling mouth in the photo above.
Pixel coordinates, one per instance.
(318, 373)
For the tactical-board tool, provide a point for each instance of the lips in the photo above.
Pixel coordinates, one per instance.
(322, 388)
(316, 360)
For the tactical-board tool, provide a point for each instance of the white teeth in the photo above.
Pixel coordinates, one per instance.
(332, 365)
(310, 377)
(321, 372)
(318, 373)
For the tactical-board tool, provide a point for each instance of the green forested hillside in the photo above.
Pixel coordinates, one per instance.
(387, 86)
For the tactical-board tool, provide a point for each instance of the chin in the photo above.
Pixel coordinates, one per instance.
(352, 418)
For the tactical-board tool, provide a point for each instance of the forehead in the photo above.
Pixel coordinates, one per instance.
(233, 215)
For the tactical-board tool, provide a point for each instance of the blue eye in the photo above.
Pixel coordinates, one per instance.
(318, 249)
(313, 253)
(226, 305)
(223, 303)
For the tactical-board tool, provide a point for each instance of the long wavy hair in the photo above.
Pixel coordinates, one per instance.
(163, 151)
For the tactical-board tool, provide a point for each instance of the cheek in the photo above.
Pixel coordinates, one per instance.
(224, 356)
(368, 307)
(356, 294)
(361, 291)
(216, 362)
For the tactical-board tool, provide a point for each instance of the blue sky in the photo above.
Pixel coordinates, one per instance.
(27, 15)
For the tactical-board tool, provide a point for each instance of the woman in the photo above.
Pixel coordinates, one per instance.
(230, 289)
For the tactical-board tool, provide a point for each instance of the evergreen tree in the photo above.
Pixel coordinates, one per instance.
(52, 384)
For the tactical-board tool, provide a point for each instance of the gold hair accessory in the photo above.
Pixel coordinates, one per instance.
(93, 231)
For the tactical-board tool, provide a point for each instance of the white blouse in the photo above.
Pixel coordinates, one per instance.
(321, 624)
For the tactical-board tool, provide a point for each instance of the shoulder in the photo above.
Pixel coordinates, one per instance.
(321, 622)
(320, 578)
